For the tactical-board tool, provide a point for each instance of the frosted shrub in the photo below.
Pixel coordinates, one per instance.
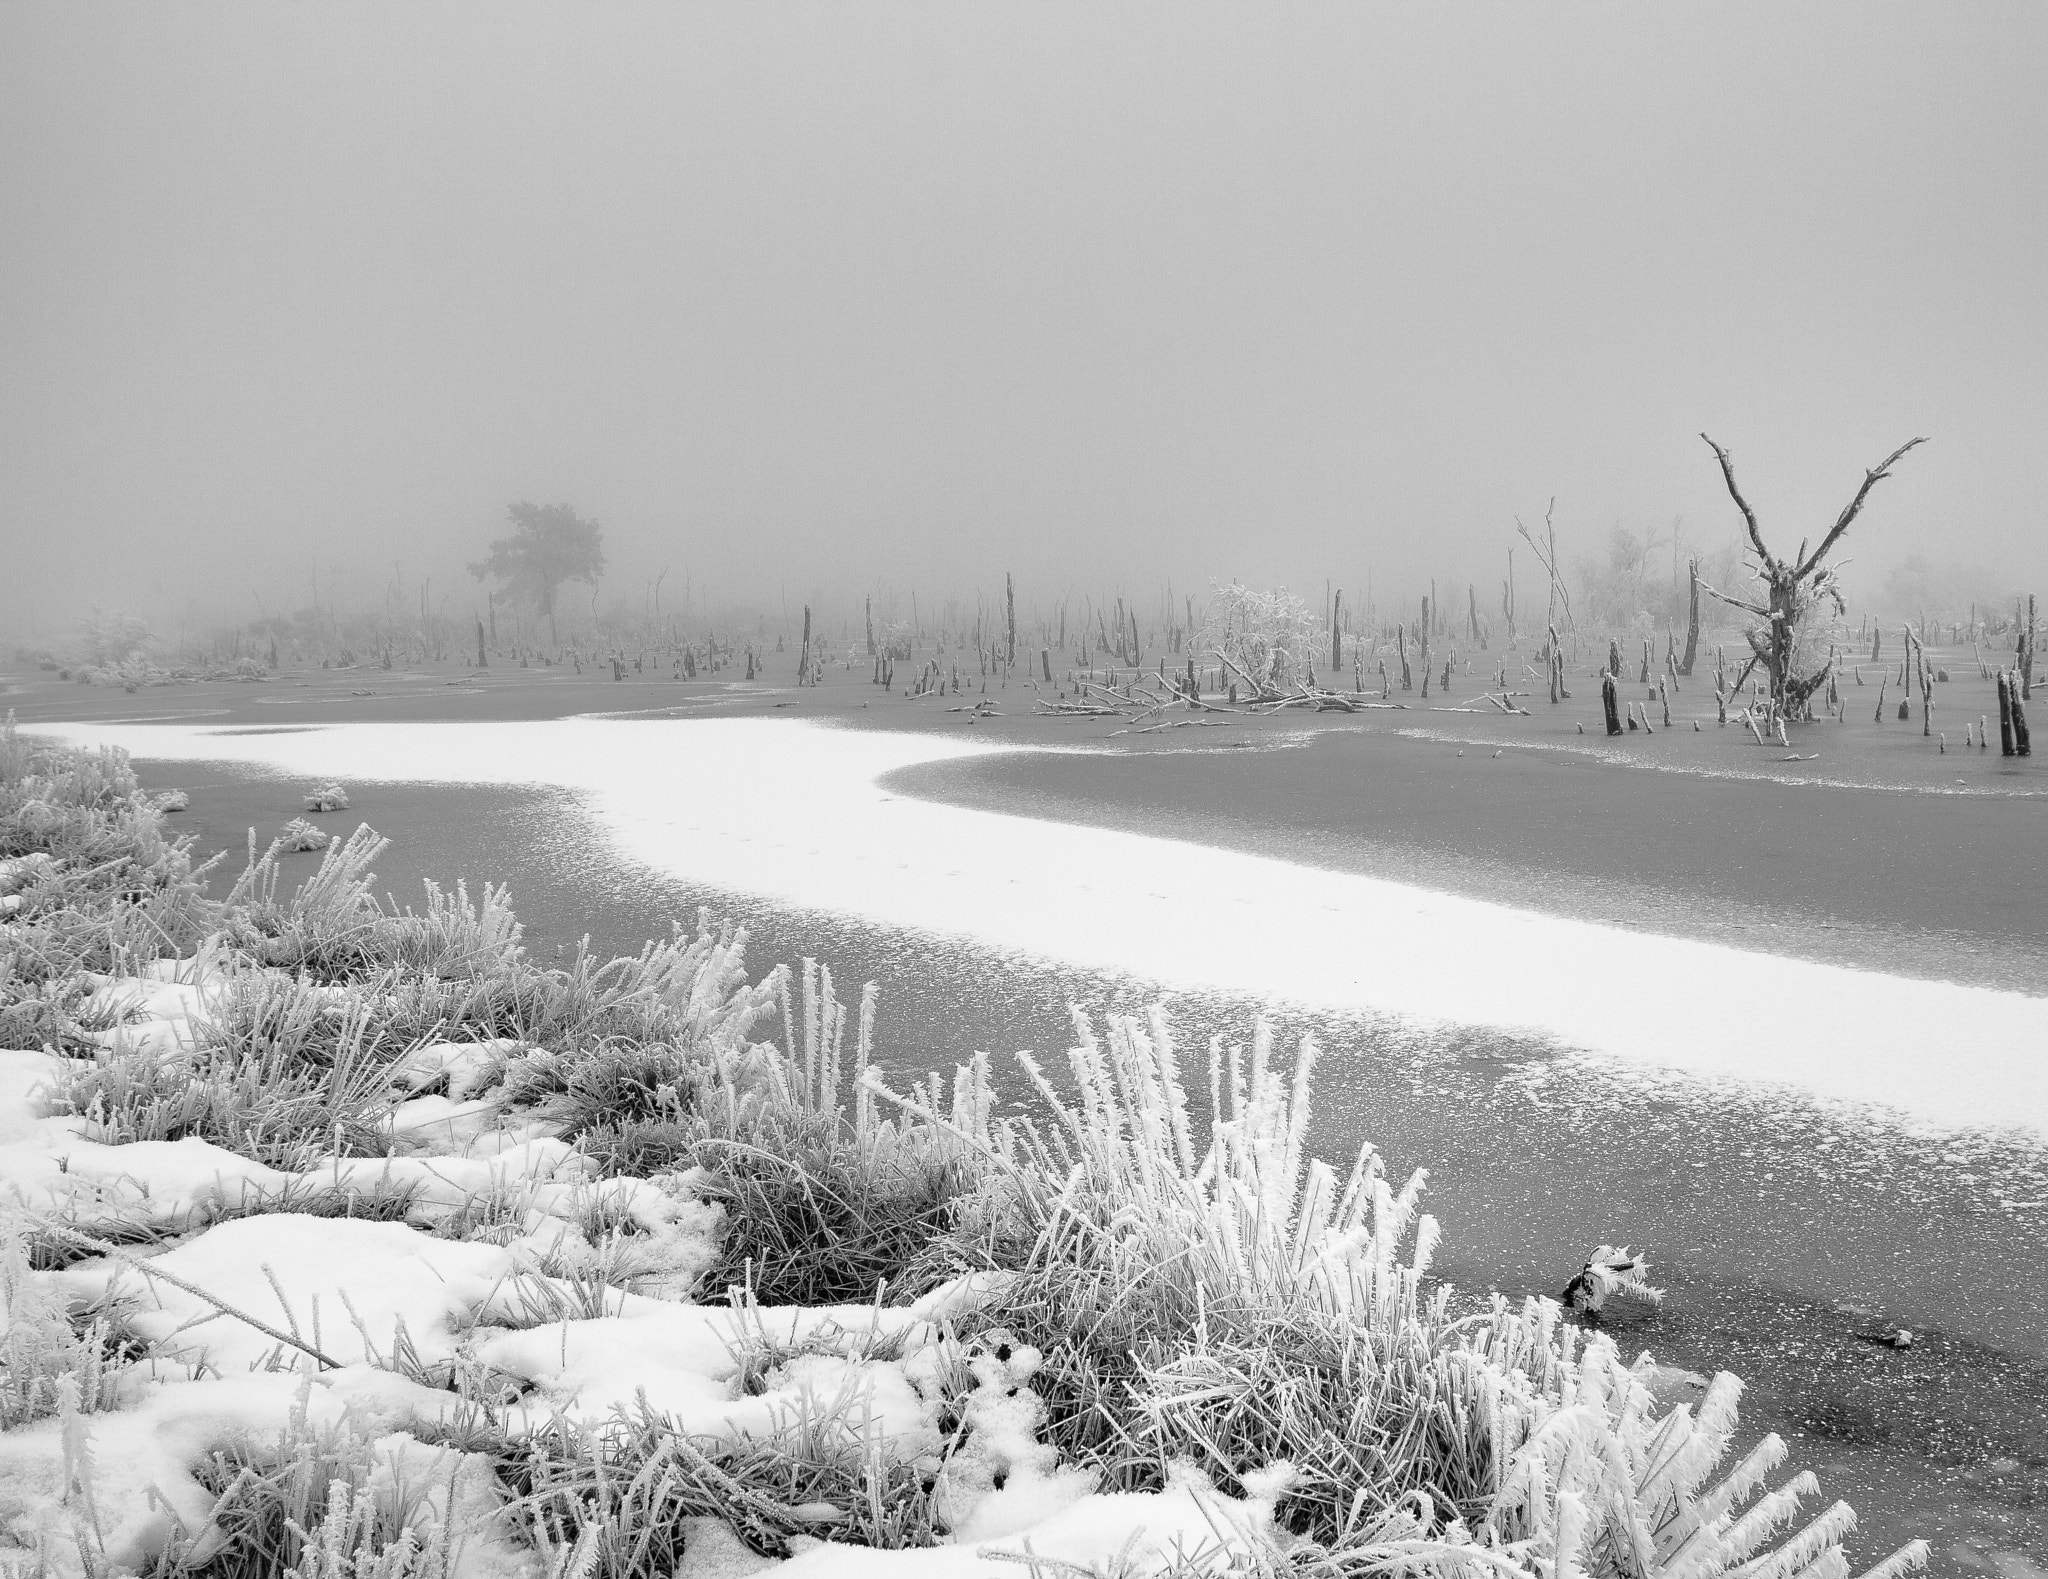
(822, 1206)
(280, 1073)
(1271, 637)
(47, 1364)
(1232, 1303)
(299, 834)
(85, 853)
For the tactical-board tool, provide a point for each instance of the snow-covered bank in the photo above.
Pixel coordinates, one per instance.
(794, 812)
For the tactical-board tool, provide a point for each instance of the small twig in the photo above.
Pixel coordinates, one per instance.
(114, 1252)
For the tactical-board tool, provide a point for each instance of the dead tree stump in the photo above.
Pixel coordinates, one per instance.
(2023, 652)
(1610, 699)
(1692, 619)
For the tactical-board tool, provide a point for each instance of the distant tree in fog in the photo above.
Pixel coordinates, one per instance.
(549, 546)
(1917, 587)
(112, 637)
(1637, 587)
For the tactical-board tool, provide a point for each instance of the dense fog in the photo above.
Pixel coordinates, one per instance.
(805, 304)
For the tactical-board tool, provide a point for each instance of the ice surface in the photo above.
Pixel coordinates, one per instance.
(792, 811)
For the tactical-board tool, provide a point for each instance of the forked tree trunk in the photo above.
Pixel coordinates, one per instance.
(1792, 587)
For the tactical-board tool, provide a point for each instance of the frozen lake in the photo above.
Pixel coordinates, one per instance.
(794, 813)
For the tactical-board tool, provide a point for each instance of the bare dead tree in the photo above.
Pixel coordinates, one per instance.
(1792, 589)
(2023, 646)
(1549, 563)
(1692, 619)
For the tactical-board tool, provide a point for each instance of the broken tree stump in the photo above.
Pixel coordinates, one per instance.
(1692, 618)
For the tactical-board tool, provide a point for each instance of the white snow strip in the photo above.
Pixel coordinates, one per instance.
(793, 812)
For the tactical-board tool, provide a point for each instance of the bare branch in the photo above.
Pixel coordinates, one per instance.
(115, 1253)
(1756, 536)
(1747, 608)
(1549, 562)
(1260, 690)
(1870, 480)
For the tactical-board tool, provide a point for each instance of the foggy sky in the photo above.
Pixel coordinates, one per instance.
(796, 297)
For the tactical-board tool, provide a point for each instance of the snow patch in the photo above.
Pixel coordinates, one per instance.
(344, 1286)
(1189, 1529)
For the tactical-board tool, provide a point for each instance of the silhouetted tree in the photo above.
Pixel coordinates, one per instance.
(549, 546)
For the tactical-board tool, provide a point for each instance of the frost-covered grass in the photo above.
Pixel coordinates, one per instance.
(341, 1240)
